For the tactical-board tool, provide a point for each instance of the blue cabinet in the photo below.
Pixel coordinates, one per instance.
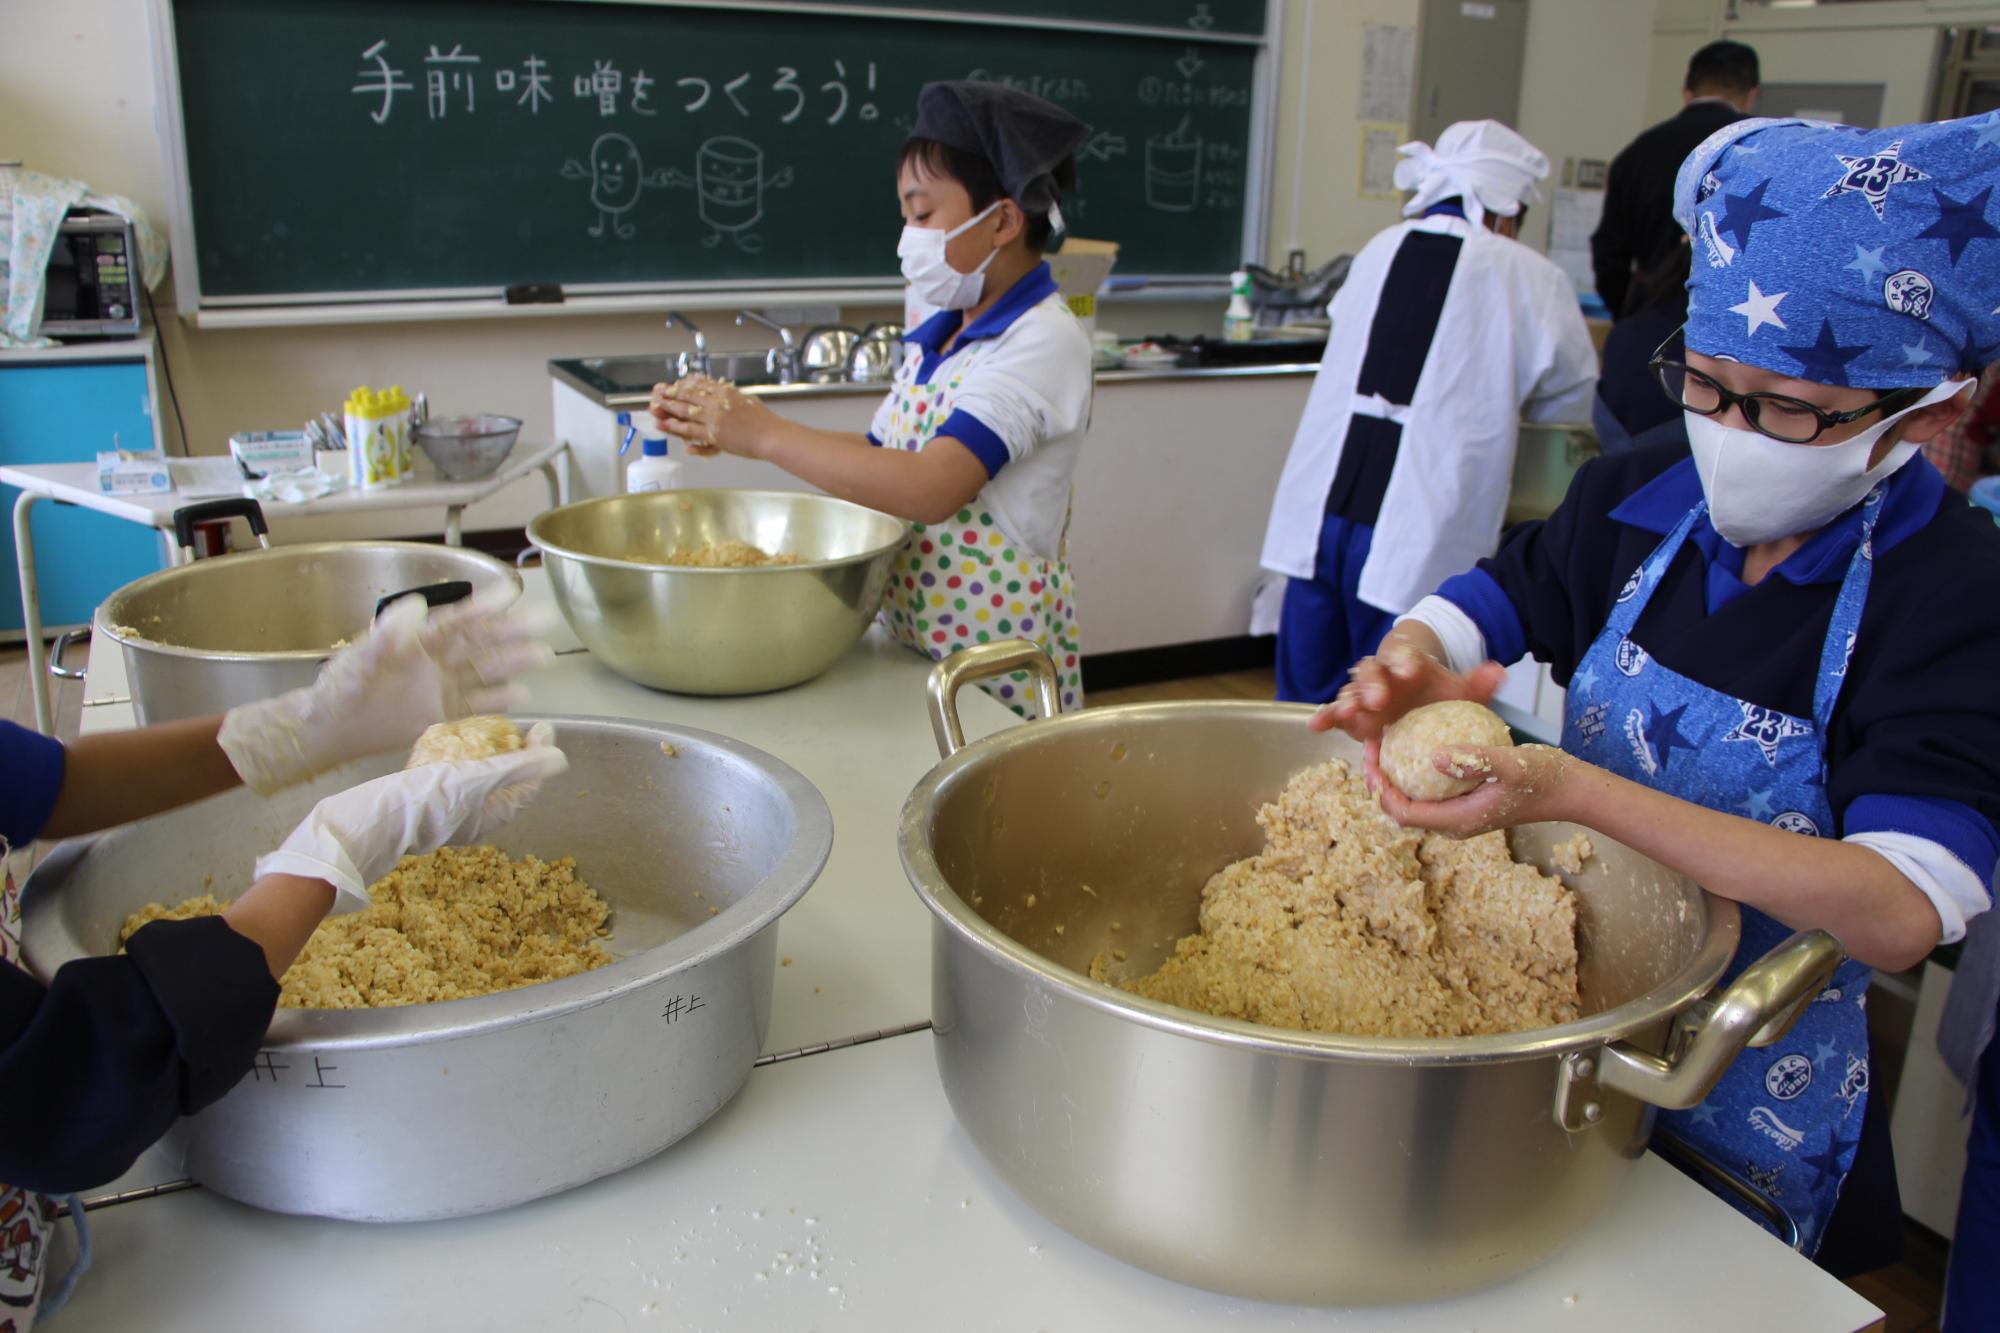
(64, 411)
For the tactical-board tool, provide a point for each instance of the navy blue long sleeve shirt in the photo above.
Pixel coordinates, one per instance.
(96, 1064)
(1915, 742)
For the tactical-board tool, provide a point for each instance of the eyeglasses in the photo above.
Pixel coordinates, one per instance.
(1780, 416)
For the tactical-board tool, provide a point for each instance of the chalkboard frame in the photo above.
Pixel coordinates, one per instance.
(360, 307)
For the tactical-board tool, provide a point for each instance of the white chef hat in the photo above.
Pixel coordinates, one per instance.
(1490, 167)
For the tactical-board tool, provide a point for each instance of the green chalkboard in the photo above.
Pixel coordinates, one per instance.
(1214, 17)
(354, 147)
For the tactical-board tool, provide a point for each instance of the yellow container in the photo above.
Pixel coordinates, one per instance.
(379, 450)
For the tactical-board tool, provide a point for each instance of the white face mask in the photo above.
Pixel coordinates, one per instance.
(931, 276)
(1760, 489)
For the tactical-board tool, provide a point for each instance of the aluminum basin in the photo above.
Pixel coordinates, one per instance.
(204, 637)
(440, 1110)
(1250, 1160)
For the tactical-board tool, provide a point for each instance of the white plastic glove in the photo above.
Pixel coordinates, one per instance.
(411, 670)
(355, 837)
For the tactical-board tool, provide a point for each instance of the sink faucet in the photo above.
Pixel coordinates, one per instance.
(698, 363)
(783, 360)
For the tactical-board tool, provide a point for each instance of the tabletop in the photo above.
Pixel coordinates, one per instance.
(837, 1193)
(212, 476)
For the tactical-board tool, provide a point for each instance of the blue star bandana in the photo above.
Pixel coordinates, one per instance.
(1868, 258)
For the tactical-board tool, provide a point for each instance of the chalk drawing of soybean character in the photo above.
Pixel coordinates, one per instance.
(729, 185)
(616, 177)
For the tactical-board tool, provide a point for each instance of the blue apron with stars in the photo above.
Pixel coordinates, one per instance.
(1786, 1117)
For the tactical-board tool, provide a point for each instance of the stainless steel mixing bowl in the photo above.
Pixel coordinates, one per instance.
(439, 1110)
(717, 631)
(1264, 1163)
(203, 637)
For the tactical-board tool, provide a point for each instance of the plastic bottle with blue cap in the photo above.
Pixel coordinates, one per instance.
(652, 470)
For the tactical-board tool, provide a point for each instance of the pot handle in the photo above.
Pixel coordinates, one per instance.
(209, 511)
(434, 595)
(984, 662)
(1756, 1010)
(1721, 1179)
(62, 646)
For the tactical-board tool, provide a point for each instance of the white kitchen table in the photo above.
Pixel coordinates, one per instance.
(837, 1192)
(209, 478)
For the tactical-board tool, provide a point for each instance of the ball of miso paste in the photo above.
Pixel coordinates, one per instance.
(1412, 741)
(467, 738)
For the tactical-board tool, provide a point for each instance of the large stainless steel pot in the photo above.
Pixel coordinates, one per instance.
(439, 1110)
(1245, 1159)
(205, 636)
(717, 631)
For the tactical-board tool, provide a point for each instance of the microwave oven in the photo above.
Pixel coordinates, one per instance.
(93, 278)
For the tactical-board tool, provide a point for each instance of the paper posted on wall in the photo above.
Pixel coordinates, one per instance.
(1573, 216)
(1379, 142)
(1388, 71)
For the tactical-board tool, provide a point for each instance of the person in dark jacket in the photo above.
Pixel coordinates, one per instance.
(1629, 411)
(1638, 231)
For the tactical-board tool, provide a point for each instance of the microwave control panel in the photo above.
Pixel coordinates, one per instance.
(116, 293)
(93, 279)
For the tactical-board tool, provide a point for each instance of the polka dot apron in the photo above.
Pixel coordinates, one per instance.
(968, 581)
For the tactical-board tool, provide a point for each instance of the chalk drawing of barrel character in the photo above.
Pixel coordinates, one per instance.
(1173, 170)
(617, 178)
(729, 184)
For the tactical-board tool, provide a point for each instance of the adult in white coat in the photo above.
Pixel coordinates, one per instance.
(1446, 332)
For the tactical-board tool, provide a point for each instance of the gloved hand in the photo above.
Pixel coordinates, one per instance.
(411, 670)
(355, 837)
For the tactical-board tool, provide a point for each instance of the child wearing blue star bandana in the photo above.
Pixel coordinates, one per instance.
(1778, 651)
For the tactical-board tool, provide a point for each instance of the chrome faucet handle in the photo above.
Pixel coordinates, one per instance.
(781, 361)
(784, 332)
(698, 363)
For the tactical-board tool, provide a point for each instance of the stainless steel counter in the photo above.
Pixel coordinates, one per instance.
(582, 376)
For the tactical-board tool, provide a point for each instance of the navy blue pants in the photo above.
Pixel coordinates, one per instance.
(1325, 627)
(1972, 1287)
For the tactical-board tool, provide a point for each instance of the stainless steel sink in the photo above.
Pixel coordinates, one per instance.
(625, 383)
(638, 374)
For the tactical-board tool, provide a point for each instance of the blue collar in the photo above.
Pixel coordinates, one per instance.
(1036, 286)
(1448, 207)
(1913, 497)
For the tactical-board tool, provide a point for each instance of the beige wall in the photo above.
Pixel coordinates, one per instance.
(1322, 77)
(1893, 42)
(1582, 84)
(1584, 95)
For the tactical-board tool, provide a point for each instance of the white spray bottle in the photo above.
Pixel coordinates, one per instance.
(652, 470)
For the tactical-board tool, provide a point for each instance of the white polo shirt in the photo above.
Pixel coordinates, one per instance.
(1015, 389)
